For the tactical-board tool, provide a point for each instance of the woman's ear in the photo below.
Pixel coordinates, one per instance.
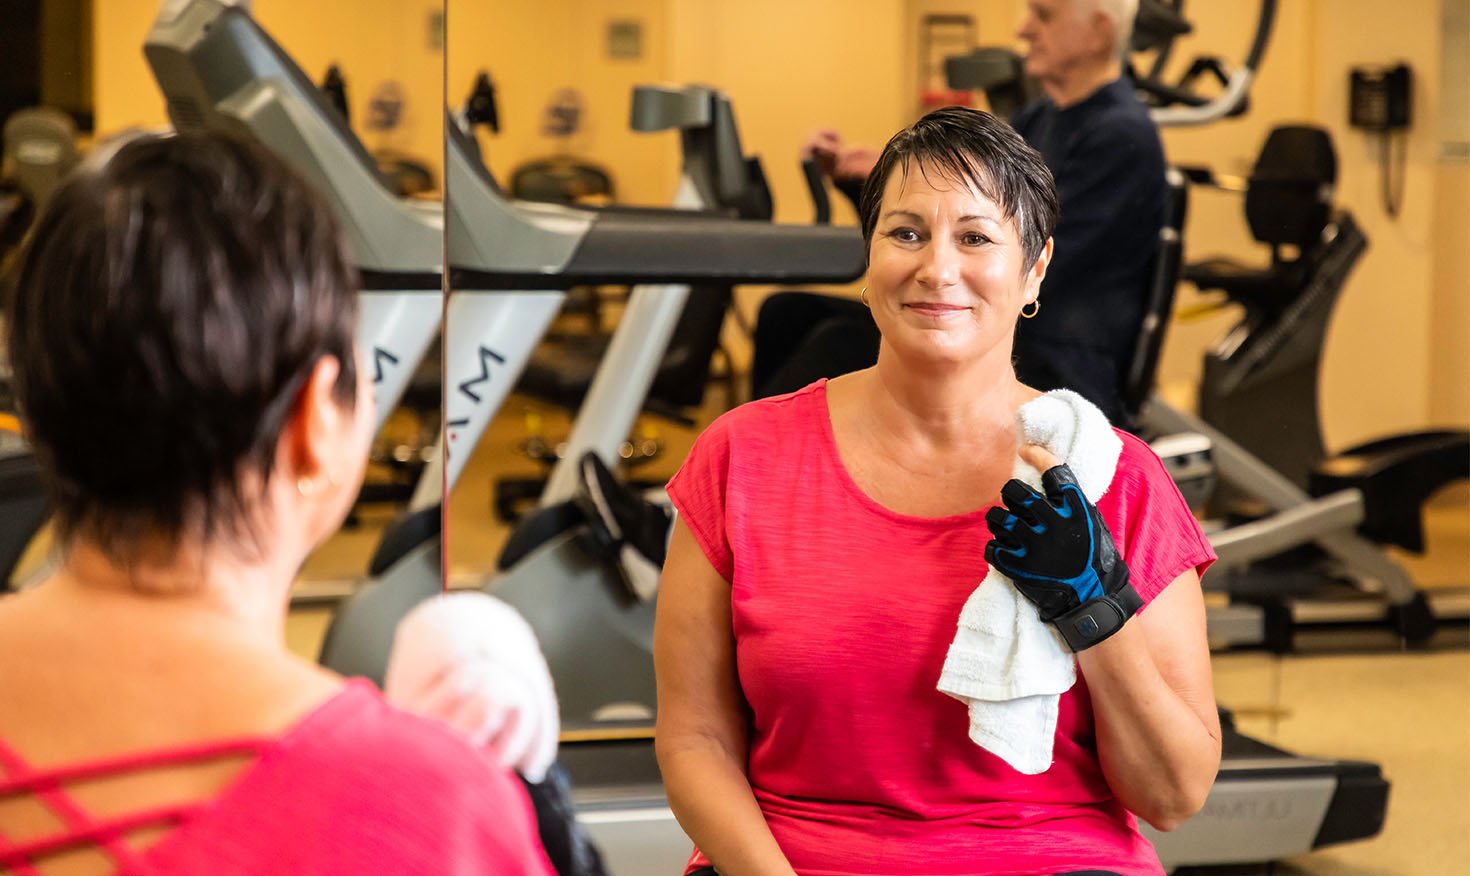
(1037, 272)
(313, 433)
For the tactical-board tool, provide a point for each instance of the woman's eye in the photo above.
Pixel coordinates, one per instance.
(974, 239)
(904, 235)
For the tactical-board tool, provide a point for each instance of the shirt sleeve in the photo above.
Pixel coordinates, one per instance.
(1151, 523)
(699, 491)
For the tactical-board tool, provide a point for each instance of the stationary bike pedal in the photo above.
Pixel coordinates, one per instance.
(595, 542)
(593, 537)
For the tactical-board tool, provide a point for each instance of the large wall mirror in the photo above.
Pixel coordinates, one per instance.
(568, 216)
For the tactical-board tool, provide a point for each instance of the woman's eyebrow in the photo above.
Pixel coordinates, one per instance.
(912, 216)
(982, 217)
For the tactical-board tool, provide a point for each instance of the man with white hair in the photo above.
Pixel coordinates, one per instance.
(1104, 151)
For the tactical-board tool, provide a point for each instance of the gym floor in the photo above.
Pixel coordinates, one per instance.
(1407, 712)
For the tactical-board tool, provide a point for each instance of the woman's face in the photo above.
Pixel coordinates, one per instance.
(947, 273)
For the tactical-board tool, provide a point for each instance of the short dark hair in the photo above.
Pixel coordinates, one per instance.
(975, 147)
(170, 304)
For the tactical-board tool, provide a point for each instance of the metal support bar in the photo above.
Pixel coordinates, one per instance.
(1240, 468)
(1320, 518)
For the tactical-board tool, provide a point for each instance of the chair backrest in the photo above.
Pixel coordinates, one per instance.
(40, 147)
(1164, 279)
(1288, 200)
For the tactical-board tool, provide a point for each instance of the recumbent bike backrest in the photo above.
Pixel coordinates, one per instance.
(1289, 196)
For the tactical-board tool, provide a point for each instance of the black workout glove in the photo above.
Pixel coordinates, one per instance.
(1059, 553)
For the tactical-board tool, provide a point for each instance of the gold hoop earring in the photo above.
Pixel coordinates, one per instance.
(863, 297)
(1035, 305)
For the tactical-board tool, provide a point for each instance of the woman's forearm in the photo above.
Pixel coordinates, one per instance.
(711, 796)
(1159, 748)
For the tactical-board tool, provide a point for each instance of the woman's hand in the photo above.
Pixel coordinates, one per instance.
(473, 662)
(1158, 732)
(1056, 549)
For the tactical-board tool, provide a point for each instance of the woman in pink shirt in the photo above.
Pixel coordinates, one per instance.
(182, 341)
(827, 540)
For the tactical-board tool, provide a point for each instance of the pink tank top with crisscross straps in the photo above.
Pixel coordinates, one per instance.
(80, 828)
(356, 786)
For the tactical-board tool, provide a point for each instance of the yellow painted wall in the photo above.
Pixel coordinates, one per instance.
(793, 67)
(372, 40)
(1449, 343)
(1377, 373)
(1449, 364)
(532, 51)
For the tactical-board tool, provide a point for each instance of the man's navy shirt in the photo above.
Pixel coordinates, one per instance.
(1105, 155)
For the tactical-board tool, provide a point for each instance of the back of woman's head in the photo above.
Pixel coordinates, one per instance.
(169, 307)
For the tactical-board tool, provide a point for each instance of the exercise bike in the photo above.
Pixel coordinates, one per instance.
(1259, 407)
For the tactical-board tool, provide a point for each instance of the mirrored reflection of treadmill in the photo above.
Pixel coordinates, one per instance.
(219, 70)
(508, 245)
(510, 263)
(597, 642)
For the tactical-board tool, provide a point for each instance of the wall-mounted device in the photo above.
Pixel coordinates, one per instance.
(1379, 97)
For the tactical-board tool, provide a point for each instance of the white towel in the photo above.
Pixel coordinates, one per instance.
(472, 661)
(1006, 664)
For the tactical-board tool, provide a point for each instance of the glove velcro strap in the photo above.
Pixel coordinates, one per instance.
(1096, 619)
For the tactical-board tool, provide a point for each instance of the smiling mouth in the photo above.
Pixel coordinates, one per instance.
(932, 308)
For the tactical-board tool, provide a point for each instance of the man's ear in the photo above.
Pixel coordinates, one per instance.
(314, 426)
(1104, 34)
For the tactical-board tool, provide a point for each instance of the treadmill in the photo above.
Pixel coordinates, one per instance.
(218, 68)
(510, 262)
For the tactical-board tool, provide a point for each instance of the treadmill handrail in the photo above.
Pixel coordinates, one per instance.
(544, 246)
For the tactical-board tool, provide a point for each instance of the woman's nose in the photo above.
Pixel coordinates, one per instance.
(940, 267)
